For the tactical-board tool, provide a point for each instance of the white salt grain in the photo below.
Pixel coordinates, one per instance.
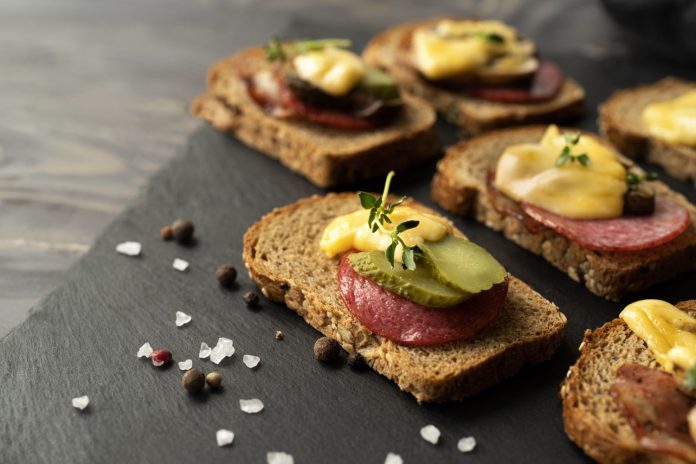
(224, 437)
(279, 457)
(182, 318)
(129, 248)
(466, 444)
(430, 433)
(204, 351)
(180, 264)
(185, 365)
(251, 361)
(144, 351)
(80, 402)
(251, 406)
(223, 349)
(393, 458)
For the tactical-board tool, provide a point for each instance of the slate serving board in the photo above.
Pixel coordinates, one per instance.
(83, 337)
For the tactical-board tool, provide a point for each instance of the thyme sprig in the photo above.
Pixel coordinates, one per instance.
(633, 180)
(379, 216)
(277, 50)
(567, 152)
(493, 37)
(690, 380)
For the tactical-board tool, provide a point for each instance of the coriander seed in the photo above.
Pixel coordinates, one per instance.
(166, 233)
(182, 230)
(326, 349)
(251, 299)
(193, 381)
(214, 380)
(356, 361)
(226, 275)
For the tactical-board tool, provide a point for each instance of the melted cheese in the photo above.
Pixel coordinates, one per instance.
(527, 173)
(669, 333)
(351, 232)
(673, 121)
(333, 70)
(455, 48)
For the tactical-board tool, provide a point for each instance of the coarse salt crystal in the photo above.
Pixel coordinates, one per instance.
(251, 361)
(466, 444)
(204, 351)
(81, 402)
(393, 458)
(279, 457)
(251, 406)
(145, 351)
(224, 437)
(185, 365)
(129, 248)
(430, 433)
(223, 349)
(180, 264)
(182, 318)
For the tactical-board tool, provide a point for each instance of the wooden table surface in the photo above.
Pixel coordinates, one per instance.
(94, 98)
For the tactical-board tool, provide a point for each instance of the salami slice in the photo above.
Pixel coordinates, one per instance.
(407, 323)
(626, 233)
(545, 85)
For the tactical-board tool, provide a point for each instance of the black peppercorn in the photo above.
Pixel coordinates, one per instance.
(193, 381)
(326, 349)
(182, 230)
(226, 275)
(356, 361)
(251, 299)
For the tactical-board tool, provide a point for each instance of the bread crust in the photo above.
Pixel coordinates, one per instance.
(327, 157)
(620, 120)
(296, 272)
(460, 186)
(591, 418)
(474, 115)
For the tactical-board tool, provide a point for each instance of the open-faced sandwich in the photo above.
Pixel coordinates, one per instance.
(319, 109)
(655, 122)
(573, 199)
(395, 282)
(631, 396)
(479, 74)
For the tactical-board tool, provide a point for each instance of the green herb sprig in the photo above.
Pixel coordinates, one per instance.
(277, 50)
(379, 216)
(690, 380)
(567, 152)
(493, 37)
(633, 180)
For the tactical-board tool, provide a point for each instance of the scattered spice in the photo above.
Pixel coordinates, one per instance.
(81, 402)
(251, 361)
(251, 299)
(129, 248)
(214, 380)
(180, 265)
(224, 437)
(193, 381)
(166, 233)
(326, 349)
(279, 335)
(160, 357)
(226, 275)
(356, 361)
(182, 319)
(182, 230)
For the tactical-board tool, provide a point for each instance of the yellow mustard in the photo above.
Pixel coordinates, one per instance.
(351, 232)
(669, 333)
(528, 172)
(455, 48)
(674, 120)
(333, 70)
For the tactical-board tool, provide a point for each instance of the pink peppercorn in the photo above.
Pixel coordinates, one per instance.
(160, 357)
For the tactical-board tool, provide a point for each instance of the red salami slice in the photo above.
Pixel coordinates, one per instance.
(545, 85)
(626, 233)
(402, 321)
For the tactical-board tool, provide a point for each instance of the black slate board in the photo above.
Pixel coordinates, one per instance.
(83, 337)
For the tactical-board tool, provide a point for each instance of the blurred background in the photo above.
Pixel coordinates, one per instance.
(94, 94)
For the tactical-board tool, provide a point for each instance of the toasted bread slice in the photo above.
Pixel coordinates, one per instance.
(327, 157)
(461, 186)
(389, 50)
(283, 257)
(590, 416)
(620, 119)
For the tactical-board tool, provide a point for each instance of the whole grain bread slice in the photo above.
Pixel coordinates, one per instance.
(282, 254)
(620, 119)
(389, 50)
(461, 186)
(327, 157)
(591, 417)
